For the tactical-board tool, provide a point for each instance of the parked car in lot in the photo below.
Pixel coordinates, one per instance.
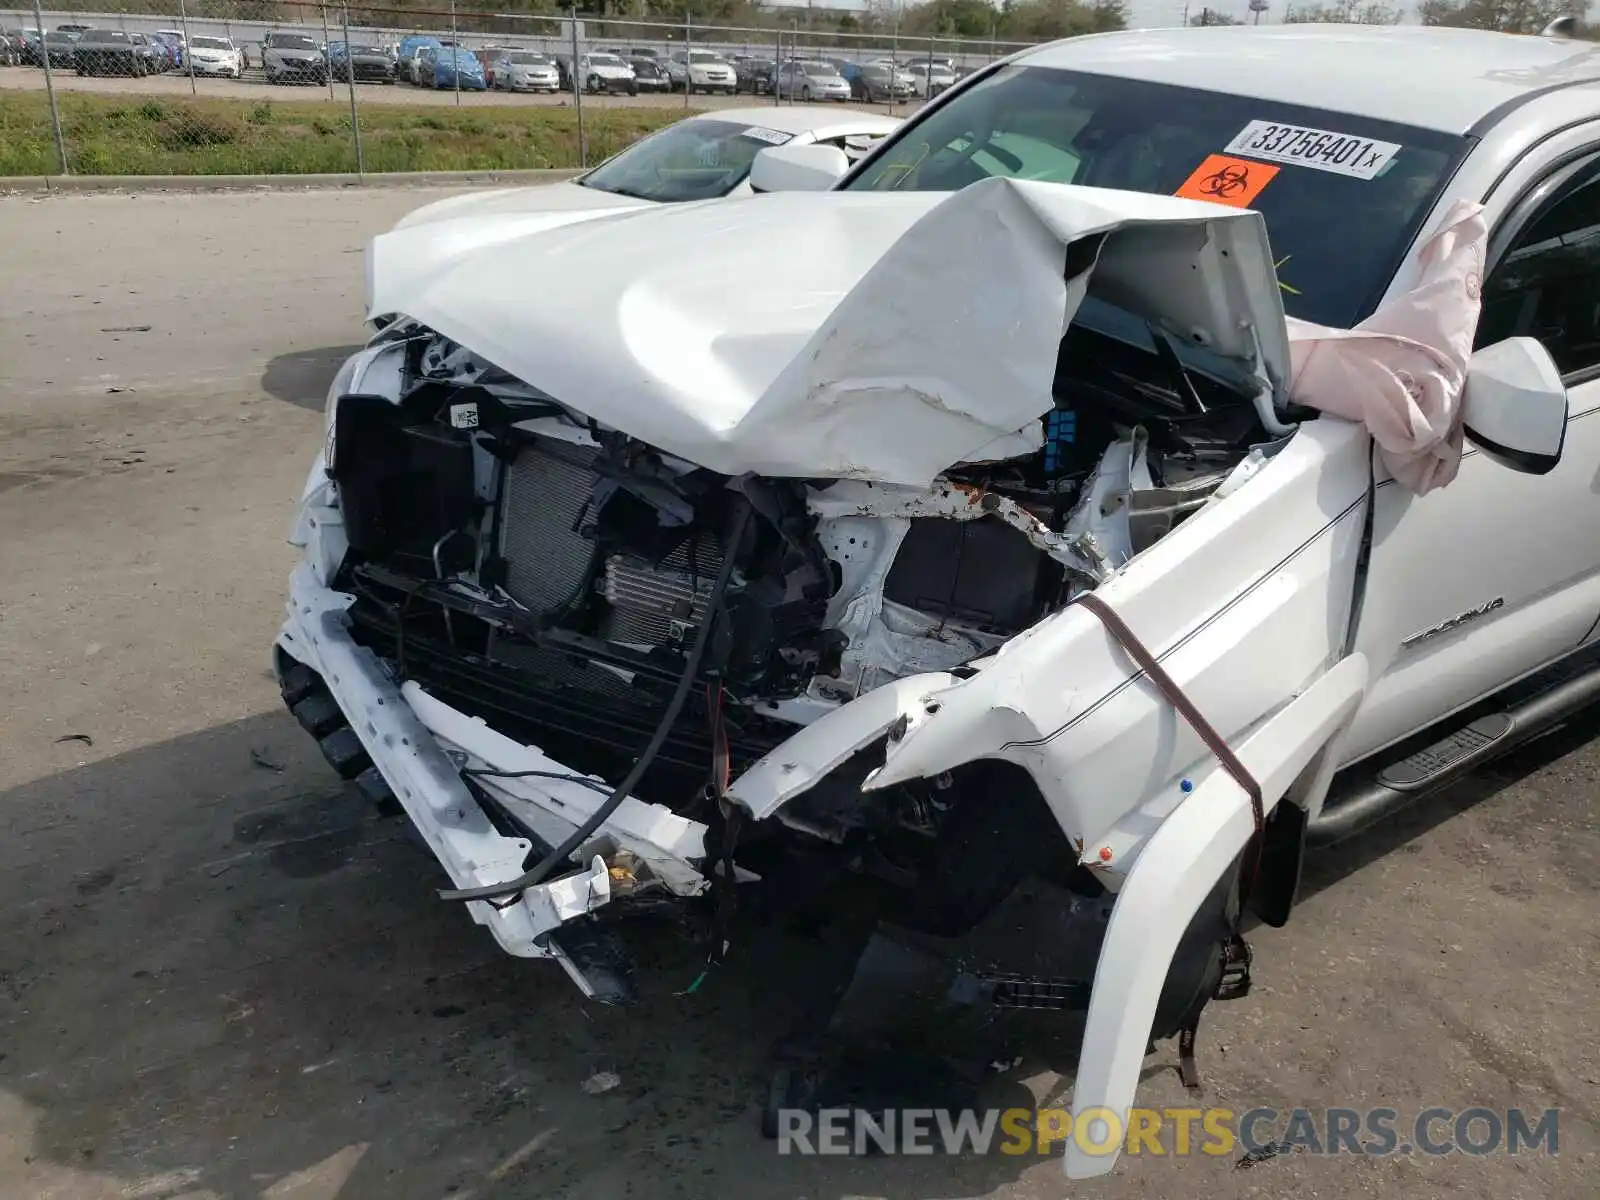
(293, 58)
(152, 54)
(177, 39)
(216, 56)
(880, 81)
(486, 56)
(704, 157)
(1096, 502)
(602, 71)
(109, 52)
(12, 44)
(368, 60)
(649, 75)
(172, 48)
(808, 79)
(453, 67)
(58, 46)
(752, 74)
(701, 71)
(406, 53)
(929, 79)
(524, 71)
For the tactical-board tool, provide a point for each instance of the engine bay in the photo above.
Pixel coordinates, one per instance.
(549, 574)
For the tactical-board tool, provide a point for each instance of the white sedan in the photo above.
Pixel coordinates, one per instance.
(703, 158)
(216, 56)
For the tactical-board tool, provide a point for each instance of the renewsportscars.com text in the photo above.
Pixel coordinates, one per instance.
(1176, 1132)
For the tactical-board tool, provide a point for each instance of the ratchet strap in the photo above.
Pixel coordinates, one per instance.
(1235, 978)
(1168, 687)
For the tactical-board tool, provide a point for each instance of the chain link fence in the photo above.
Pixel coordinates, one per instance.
(250, 87)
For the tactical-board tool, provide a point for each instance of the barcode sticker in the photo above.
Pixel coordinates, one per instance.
(1320, 149)
(771, 136)
(464, 416)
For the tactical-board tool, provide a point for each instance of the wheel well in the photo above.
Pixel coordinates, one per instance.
(998, 831)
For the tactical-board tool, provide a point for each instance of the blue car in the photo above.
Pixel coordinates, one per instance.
(451, 62)
(172, 47)
(407, 53)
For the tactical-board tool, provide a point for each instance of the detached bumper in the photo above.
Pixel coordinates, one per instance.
(342, 693)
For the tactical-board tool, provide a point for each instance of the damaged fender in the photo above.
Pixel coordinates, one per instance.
(826, 743)
(1178, 868)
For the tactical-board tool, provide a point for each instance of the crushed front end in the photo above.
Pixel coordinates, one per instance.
(640, 599)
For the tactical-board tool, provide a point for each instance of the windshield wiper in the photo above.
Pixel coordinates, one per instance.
(615, 191)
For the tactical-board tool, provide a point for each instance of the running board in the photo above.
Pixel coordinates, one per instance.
(1361, 798)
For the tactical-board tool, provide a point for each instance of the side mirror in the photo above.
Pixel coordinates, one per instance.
(808, 168)
(1515, 409)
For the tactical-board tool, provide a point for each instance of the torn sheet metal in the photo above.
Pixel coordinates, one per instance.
(869, 336)
(1403, 371)
(818, 749)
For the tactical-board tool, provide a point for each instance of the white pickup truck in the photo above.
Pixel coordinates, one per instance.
(964, 517)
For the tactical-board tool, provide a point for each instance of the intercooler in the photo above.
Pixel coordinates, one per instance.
(550, 563)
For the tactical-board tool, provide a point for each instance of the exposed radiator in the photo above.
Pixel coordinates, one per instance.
(547, 489)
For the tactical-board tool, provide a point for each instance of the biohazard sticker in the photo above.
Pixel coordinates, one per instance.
(1223, 180)
(1319, 149)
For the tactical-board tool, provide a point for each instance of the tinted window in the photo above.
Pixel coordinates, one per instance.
(1545, 287)
(693, 160)
(1337, 237)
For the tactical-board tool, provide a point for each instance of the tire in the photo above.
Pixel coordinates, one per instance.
(592, 84)
(633, 89)
(805, 94)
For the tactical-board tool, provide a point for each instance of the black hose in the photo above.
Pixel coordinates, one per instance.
(537, 874)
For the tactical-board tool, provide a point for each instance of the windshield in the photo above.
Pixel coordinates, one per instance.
(210, 43)
(705, 56)
(1342, 196)
(529, 60)
(605, 60)
(291, 41)
(696, 159)
(107, 37)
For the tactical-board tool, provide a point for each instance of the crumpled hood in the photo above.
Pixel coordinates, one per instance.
(877, 336)
(399, 262)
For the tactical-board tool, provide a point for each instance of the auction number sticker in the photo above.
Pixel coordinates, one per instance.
(766, 135)
(1319, 149)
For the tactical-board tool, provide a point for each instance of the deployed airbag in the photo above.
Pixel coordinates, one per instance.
(1403, 371)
